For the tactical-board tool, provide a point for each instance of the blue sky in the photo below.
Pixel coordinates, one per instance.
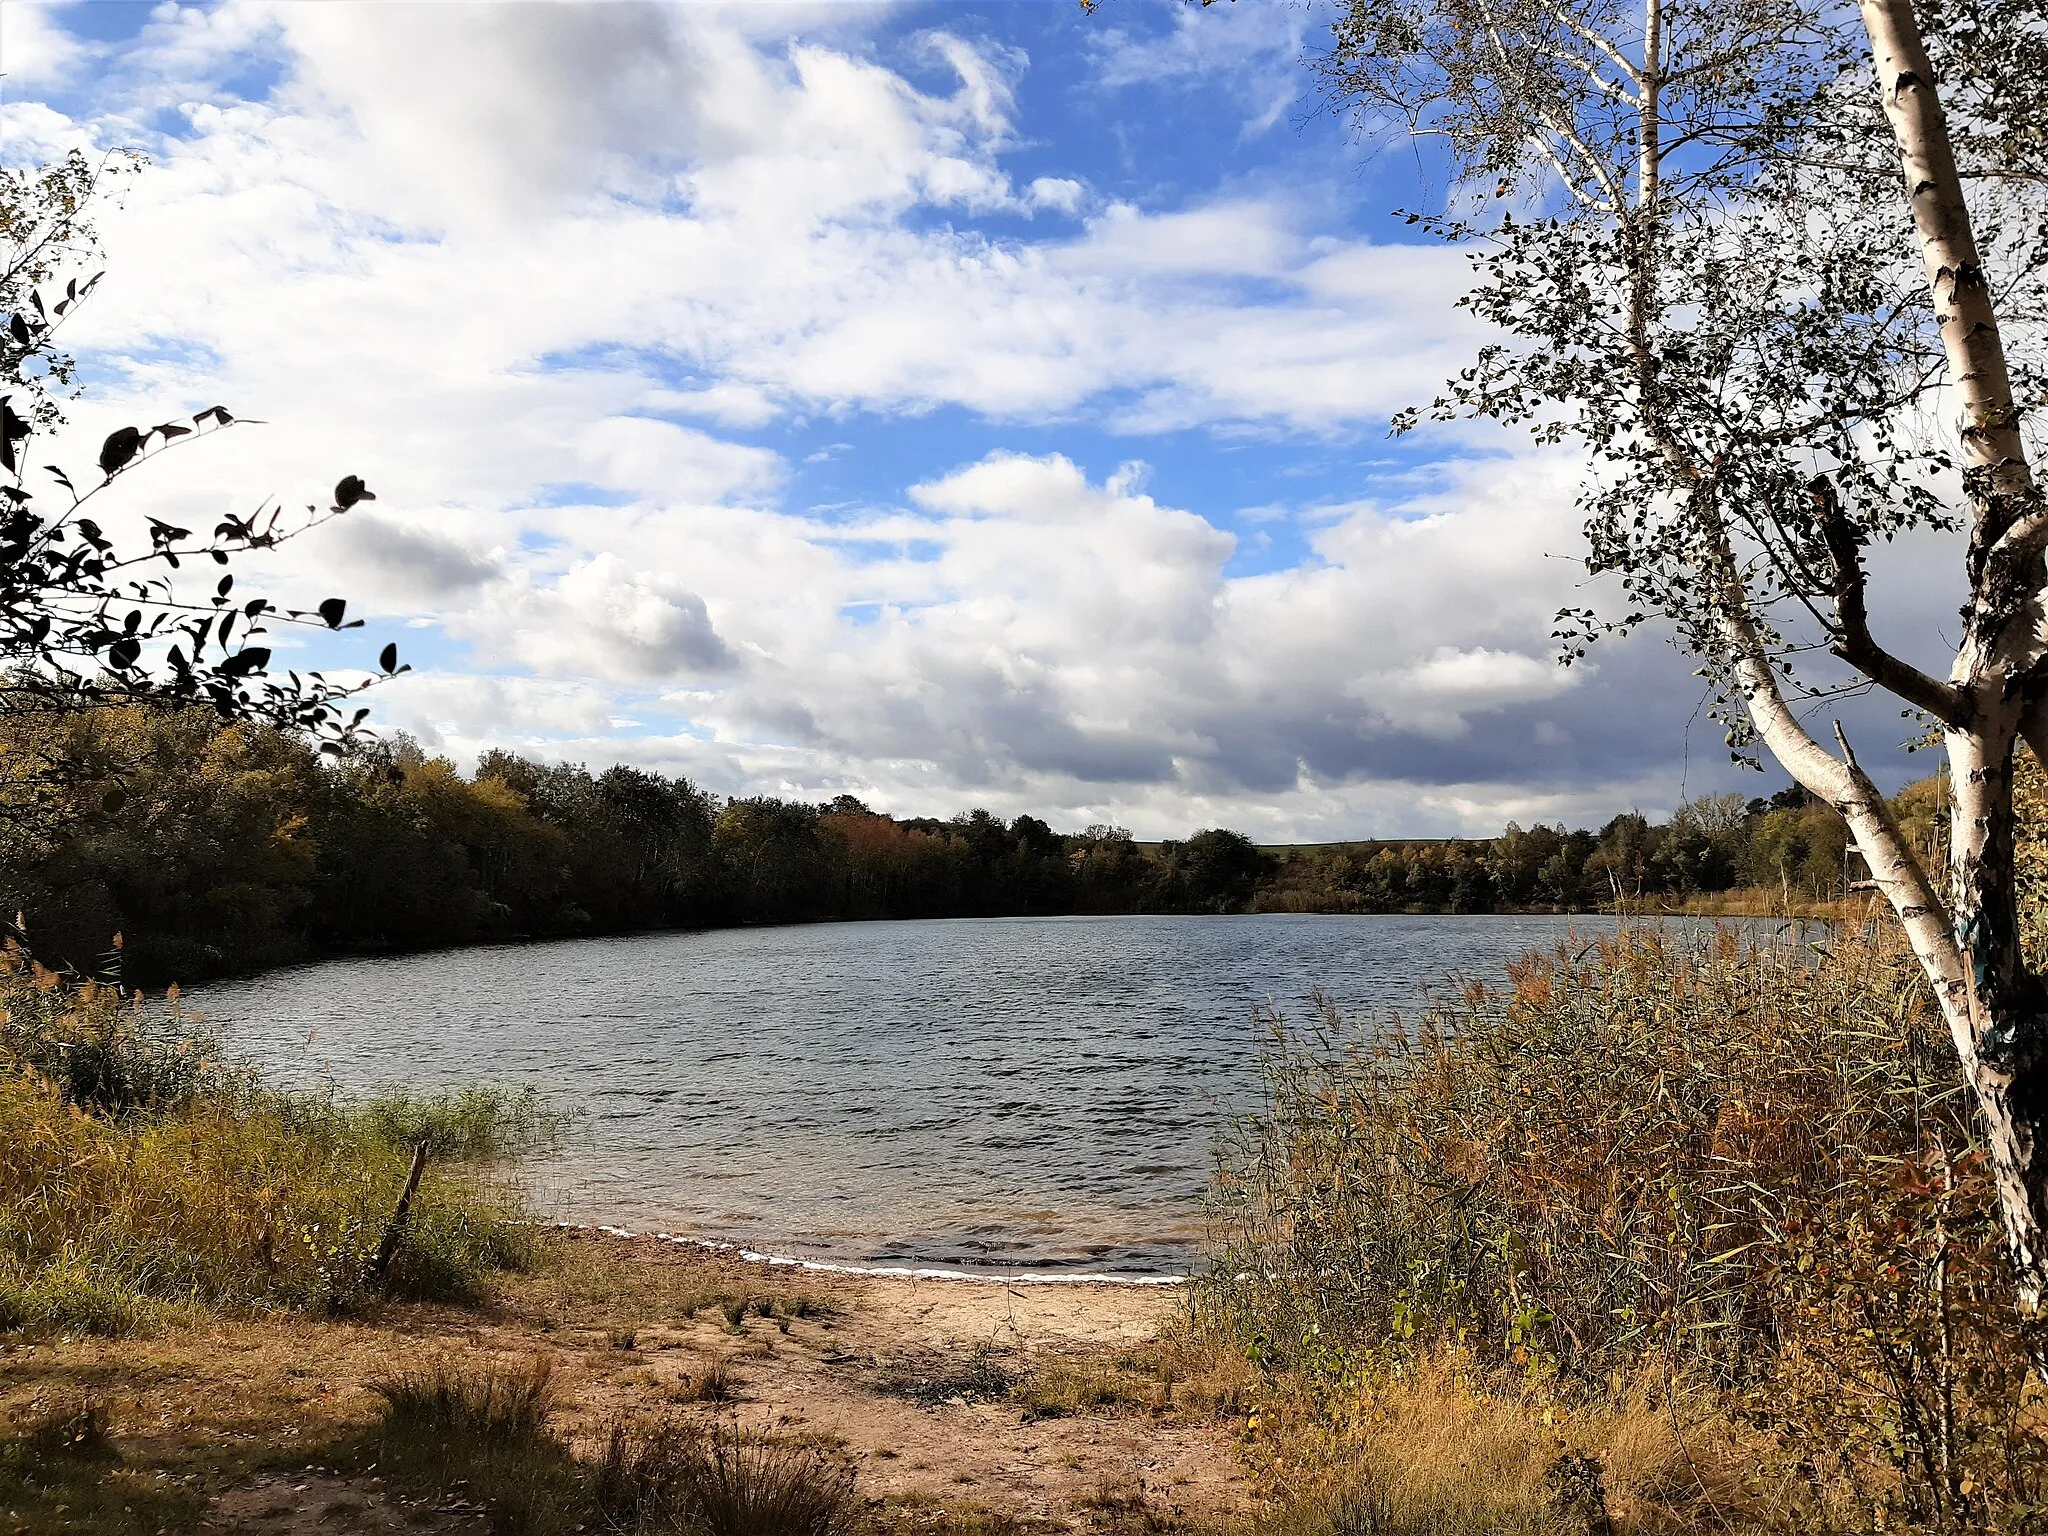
(948, 404)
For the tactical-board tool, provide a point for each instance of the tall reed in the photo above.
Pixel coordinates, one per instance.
(1738, 1164)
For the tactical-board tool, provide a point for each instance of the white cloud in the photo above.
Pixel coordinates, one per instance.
(36, 52)
(488, 289)
(1256, 50)
(1062, 194)
(599, 618)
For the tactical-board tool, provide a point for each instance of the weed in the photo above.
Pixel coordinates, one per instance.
(59, 1469)
(69, 1295)
(715, 1383)
(71, 1431)
(476, 1124)
(1739, 1166)
(448, 1401)
(483, 1431)
(1123, 1507)
(929, 1381)
(141, 1178)
(720, 1482)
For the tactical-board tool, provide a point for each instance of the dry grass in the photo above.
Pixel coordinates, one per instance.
(1656, 1182)
(486, 1431)
(1762, 901)
(218, 1205)
(1190, 1372)
(1125, 1507)
(1441, 1448)
(59, 1469)
(575, 1287)
(714, 1383)
(483, 1430)
(719, 1482)
(451, 1401)
(144, 1180)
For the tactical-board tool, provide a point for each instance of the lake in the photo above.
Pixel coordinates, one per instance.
(1016, 1094)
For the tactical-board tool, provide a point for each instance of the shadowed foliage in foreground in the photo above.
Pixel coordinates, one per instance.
(487, 1429)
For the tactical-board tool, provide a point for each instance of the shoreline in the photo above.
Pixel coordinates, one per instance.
(706, 1245)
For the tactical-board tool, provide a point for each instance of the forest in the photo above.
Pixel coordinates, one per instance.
(210, 848)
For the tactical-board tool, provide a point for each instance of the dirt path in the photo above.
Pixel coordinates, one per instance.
(960, 1404)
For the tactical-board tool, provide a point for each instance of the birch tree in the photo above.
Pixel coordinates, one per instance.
(1778, 266)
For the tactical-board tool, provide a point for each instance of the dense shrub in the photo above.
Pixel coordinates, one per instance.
(1741, 1165)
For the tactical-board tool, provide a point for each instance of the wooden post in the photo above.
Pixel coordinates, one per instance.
(394, 1229)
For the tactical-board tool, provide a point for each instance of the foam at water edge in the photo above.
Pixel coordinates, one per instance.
(889, 1272)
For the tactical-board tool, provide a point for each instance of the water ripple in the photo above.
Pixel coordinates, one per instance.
(1039, 1093)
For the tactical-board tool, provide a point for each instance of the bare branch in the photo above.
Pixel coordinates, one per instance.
(1853, 640)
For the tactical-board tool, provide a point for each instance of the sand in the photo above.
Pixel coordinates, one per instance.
(1032, 1406)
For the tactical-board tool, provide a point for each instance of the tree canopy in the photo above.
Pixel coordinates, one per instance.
(92, 617)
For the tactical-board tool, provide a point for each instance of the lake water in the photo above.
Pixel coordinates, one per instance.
(1015, 1094)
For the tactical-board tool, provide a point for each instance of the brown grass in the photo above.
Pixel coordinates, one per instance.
(1656, 1181)
(720, 1482)
(1440, 1447)
(1761, 901)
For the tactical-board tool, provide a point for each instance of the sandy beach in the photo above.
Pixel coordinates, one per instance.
(958, 1403)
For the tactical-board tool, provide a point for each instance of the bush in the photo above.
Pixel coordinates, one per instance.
(485, 1432)
(105, 1050)
(140, 1175)
(446, 1402)
(1744, 1165)
(478, 1124)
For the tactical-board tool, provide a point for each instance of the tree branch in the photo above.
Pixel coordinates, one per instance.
(1853, 641)
(1840, 781)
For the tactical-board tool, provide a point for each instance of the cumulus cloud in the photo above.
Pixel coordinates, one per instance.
(600, 618)
(557, 306)
(35, 51)
(407, 563)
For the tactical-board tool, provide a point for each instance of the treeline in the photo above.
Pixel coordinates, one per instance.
(1790, 847)
(213, 848)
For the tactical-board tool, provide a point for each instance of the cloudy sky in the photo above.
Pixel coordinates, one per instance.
(948, 404)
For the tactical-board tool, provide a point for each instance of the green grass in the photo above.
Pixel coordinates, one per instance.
(476, 1124)
(143, 1179)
